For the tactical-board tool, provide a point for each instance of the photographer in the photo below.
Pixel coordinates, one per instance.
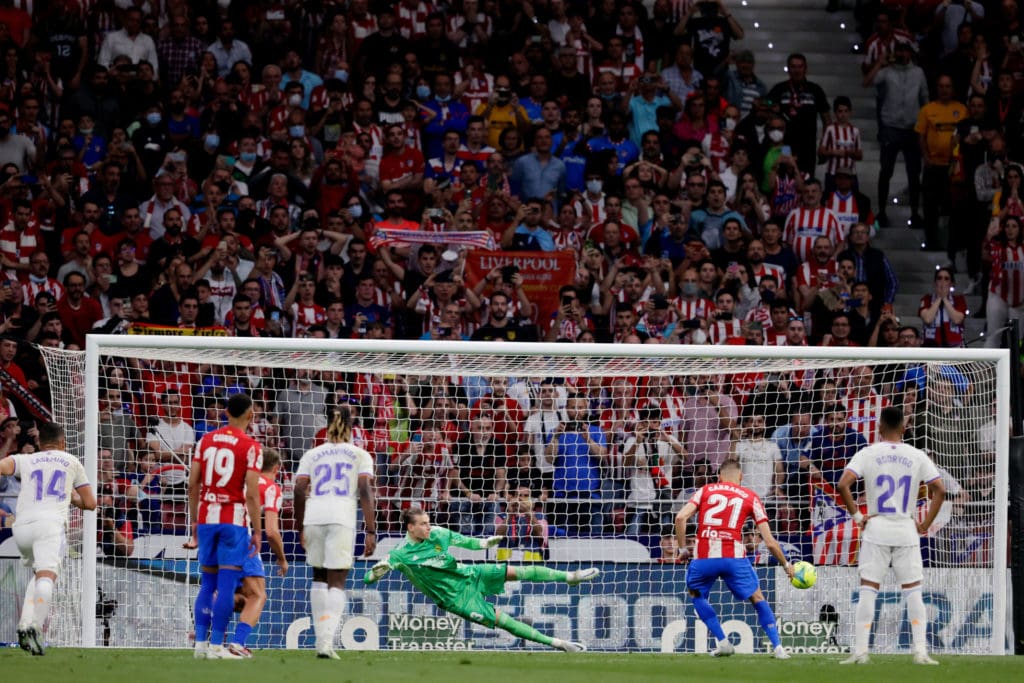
(649, 458)
(576, 450)
(522, 527)
(115, 530)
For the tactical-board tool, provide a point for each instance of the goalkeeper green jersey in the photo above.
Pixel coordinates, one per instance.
(429, 566)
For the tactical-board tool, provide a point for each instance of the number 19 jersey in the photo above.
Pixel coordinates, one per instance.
(892, 473)
(333, 470)
(722, 508)
(224, 456)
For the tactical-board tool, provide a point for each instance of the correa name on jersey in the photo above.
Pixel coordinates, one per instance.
(225, 438)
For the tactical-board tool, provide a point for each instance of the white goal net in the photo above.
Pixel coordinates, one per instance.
(580, 455)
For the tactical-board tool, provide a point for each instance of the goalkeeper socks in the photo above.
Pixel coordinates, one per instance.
(918, 617)
(540, 573)
(524, 631)
(242, 631)
(204, 606)
(318, 609)
(863, 616)
(28, 608)
(766, 618)
(224, 605)
(337, 601)
(707, 614)
(44, 594)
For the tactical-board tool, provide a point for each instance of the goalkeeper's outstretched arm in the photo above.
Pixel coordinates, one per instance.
(469, 543)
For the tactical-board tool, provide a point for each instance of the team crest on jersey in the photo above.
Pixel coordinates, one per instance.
(437, 548)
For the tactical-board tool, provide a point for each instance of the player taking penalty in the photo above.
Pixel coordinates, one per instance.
(892, 472)
(462, 589)
(51, 481)
(325, 515)
(722, 509)
(223, 489)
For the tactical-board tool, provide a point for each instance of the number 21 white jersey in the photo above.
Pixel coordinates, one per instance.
(333, 470)
(47, 478)
(892, 474)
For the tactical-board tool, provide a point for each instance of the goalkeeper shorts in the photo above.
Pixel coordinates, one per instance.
(471, 602)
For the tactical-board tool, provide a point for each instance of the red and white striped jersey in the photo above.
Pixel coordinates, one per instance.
(694, 310)
(362, 28)
(412, 21)
(846, 210)
(18, 246)
(722, 330)
(477, 91)
(478, 157)
(863, 412)
(31, 289)
(270, 494)
(224, 456)
(840, 136)
(803, 226)
(626, 73)
(813, 274)
(773, 337)
(878, 47)
(771, 269)
(837, 545)
(305, 317)
(1007, 273)
(722, 509)
(636, 41)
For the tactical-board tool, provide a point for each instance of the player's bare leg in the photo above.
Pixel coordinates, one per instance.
(35, 609)
(917, 614)
(766, 618)
(863, 617)
(253, 592)
(329, 602)
(708, 615)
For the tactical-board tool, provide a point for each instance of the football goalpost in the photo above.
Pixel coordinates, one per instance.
(580, 454)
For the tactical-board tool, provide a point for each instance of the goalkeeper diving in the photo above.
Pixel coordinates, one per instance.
(462, 589)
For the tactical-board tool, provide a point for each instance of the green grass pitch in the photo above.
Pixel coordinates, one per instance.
(272, 666)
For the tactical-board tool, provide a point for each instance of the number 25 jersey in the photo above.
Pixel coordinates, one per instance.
(333, 470)
(224, 456)
(722, 508)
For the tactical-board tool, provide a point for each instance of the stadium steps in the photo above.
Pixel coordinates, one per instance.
(827, 40)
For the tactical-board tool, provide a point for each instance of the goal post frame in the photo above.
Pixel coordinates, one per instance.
(1001, 357)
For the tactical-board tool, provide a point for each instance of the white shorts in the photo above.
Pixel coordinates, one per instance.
(329, 546)
(41, 544)
(874, 561)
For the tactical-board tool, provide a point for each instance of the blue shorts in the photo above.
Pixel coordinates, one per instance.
(737, 573)
(223, 545)
(253, 566)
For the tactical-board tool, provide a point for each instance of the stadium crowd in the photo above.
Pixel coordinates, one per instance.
(246, 169)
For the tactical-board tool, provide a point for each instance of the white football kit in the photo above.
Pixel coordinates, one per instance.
(892, 473)
(47, 479)
(329, 522)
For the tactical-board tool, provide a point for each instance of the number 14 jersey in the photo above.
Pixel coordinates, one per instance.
(333, 470)
(892, 473)
(47, 478)
(224, 456)
(722, 508)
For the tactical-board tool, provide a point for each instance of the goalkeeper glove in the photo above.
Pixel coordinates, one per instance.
(491, 541)
(376, 572)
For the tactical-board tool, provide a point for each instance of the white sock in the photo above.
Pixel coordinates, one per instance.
(337, 601)
(918, 616)
(863, 618)
(28, 607)
(318, 605)
(44, 594)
